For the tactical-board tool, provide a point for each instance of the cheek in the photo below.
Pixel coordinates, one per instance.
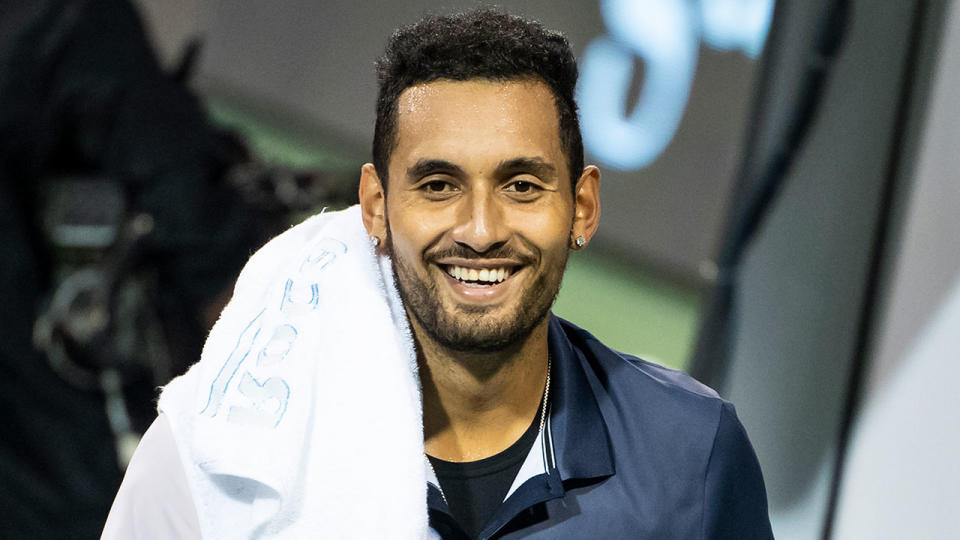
(549, 230)
(418, 221)
(410, 236)
(401, 244)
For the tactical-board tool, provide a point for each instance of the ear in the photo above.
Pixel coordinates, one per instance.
(586, 210)
(373, 202)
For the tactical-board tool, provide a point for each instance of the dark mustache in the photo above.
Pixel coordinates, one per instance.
(500, 252)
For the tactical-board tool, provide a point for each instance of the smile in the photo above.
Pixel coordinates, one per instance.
(482, 281)
(478, 277)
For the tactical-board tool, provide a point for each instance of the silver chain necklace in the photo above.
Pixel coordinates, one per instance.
(543, 420)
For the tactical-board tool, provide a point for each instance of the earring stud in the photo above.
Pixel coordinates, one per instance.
(374, 241)
(580, 242)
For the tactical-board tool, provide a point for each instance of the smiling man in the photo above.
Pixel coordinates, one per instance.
(530, 426)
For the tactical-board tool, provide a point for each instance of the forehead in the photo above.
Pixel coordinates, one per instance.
(478, 118)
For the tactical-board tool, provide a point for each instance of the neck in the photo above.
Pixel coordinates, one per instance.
(476, 405)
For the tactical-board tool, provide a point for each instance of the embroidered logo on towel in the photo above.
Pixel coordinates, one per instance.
(256, 397)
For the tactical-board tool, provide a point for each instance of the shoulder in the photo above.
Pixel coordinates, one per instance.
(635, 375)
(688, 436)
(648, 407)
(267, 262)
(154, 500)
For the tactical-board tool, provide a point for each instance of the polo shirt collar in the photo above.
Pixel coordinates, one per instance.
(578, 435)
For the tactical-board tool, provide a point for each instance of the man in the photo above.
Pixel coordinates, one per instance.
(531, 427)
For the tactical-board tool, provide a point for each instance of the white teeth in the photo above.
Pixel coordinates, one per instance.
(489, 275)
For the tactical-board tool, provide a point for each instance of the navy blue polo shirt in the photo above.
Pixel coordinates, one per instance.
(630, 449)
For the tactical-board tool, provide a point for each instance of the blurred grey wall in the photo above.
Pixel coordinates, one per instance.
(901, 476)
(805, 280)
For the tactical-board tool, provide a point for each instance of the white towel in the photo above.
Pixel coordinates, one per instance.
(302, 418)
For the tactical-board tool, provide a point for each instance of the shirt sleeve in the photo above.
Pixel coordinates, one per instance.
(735, 499)
(154, 500)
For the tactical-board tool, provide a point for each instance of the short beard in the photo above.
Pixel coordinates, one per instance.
(462, 331)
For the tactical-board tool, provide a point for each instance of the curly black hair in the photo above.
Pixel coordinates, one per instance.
(481, 44)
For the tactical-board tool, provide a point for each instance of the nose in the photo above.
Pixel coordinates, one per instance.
(480, 223)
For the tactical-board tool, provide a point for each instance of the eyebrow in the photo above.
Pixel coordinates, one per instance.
(424, 167)
(534, 165)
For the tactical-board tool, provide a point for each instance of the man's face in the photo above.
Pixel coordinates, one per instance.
(479, 210)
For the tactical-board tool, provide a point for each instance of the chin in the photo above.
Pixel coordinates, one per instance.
(477, 329)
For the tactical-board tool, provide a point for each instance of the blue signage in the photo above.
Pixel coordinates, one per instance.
(665, 35)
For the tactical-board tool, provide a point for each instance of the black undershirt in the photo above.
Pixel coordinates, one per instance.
(475, 489)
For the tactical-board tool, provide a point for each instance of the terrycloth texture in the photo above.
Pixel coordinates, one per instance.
(303, 418)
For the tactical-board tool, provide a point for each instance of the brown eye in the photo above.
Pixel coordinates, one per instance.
(436, 186)
(438, 190)
(522, 187)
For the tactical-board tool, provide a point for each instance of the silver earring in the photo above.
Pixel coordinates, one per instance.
(580, 241)
(374, 241)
